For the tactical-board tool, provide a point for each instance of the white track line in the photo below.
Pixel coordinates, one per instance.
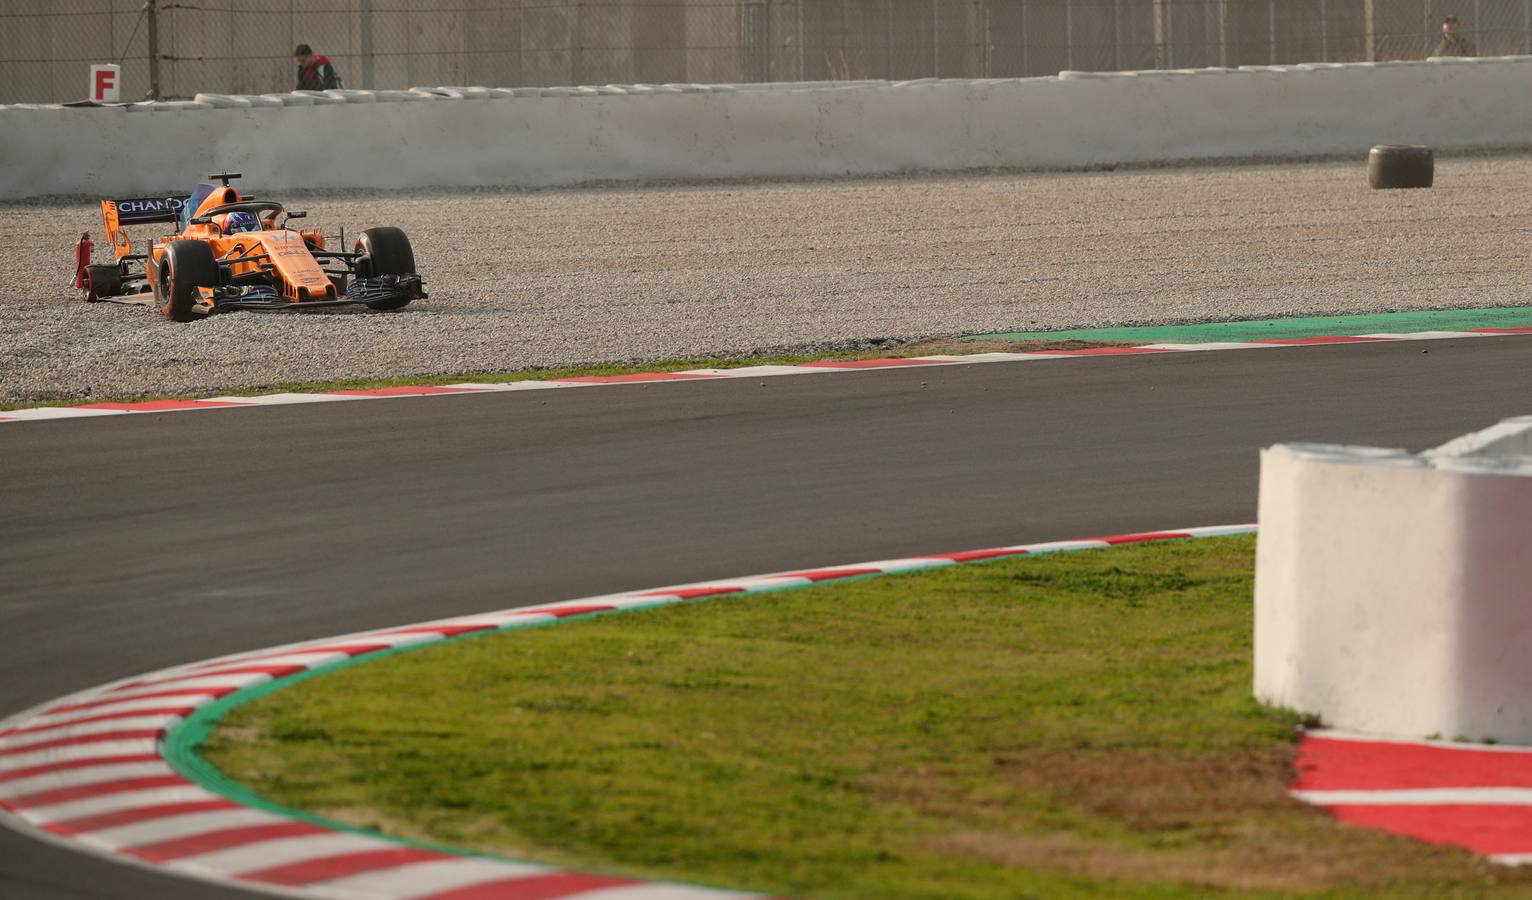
(46, 413)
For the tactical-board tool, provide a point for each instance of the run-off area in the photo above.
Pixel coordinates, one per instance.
(541, 278)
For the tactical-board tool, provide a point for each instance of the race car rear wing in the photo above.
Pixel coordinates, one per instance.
(144, 210)
(137, 211)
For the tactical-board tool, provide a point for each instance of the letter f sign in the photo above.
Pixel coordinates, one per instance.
(105, 83)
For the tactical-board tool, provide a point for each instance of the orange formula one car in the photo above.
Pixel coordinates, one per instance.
(231, 252)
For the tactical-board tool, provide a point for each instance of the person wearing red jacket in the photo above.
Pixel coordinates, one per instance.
(315, 73)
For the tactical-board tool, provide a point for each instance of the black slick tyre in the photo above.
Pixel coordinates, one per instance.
(102, 282)
(385, 251)
(185, 266)
(1400, 166)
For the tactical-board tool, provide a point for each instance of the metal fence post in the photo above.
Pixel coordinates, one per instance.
(982, 8)
(1324, 31)
(1117, 34)
(801, 75)
(768, 48)
(888, 37)
(365, 27)
(981, 39)
(1271, 31)
(577, 43)
(1023, 40)
(1427, 25)
(742, 23)
(152, 18)
(1369, 32)
(1170, 34)
(1223, 33)
(1069, 34)
(755, 40)
(1161, 54)
(936, 41)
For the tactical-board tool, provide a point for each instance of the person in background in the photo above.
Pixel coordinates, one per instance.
(1453, 44)
(315, 73)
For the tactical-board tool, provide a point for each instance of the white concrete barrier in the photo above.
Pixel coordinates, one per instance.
(550, 136)
(1394, 592)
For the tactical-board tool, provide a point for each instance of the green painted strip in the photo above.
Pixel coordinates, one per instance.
(183, 742)
(1301, 327)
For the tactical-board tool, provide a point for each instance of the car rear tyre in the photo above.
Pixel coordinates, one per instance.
(102, 282)
(385, 251)
(186, 266)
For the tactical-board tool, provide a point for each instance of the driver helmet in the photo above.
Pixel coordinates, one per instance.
(241, 221)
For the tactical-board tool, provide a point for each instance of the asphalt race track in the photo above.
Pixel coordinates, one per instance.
(130, 543)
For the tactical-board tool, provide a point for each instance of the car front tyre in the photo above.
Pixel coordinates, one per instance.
(185, 266)
(385, 251)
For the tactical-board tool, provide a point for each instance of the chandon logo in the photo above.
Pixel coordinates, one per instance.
(147, 209)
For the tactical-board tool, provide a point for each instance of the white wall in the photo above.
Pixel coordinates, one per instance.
(552, 136)
(1394, 592)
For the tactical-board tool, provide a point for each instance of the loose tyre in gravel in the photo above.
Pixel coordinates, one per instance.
(235, 252)
(1400, 166)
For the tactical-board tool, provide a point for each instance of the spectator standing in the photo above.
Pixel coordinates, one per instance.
(315, 73)
(1453, 44)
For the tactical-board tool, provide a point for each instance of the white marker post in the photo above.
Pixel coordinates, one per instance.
(105, 83)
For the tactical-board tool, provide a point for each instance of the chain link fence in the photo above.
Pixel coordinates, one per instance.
(177, 48)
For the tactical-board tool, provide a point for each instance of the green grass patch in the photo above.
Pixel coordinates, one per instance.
(957, 347)
(1078, 725)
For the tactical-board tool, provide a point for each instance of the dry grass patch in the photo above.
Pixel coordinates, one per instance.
(1222, 823)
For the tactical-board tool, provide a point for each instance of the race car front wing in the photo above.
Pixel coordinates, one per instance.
(360, 291)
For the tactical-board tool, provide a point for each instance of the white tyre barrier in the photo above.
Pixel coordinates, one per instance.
(402, 97)
(1394, 592)
(224, 101)
(321, 98)
(346, 96)
(473, 136)
(292, 99)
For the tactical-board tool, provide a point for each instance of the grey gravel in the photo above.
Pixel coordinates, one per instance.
(525, 279)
